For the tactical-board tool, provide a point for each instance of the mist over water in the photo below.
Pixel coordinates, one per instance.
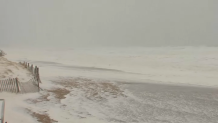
(86, 23)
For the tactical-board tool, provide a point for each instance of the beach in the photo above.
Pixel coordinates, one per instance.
(162, 85)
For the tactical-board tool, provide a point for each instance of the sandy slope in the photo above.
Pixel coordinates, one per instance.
(9, 69)
(14, 102)
(18, 110)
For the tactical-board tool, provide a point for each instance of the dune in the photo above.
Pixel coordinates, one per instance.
(9, 69)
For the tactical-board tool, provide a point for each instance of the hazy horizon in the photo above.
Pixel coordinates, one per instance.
(108, 23)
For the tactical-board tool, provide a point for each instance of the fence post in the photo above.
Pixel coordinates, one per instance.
(3, 85)
(9, 83)
(0, 85)
(38, 75)
(38, 86)
(6, 84)
(37, 78)
(17, 85)
(35, 70)
(12, 86)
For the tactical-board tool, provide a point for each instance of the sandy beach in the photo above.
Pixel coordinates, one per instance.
(102, 90)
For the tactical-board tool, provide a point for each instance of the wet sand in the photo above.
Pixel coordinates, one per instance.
(159, 103)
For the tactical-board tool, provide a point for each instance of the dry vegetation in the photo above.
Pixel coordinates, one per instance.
(59, 93)
(42, 118)
(91, 89)
(8, 69)
(40, 99)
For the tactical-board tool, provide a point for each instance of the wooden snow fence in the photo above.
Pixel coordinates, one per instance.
(15, 86)
(10, 85)
(30, 86)
(33, 70)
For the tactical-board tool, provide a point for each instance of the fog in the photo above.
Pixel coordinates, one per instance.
(109, 22)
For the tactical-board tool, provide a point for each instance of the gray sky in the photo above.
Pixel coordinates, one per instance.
(109, 22)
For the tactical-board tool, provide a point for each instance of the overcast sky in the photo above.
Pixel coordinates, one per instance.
(109, 22)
